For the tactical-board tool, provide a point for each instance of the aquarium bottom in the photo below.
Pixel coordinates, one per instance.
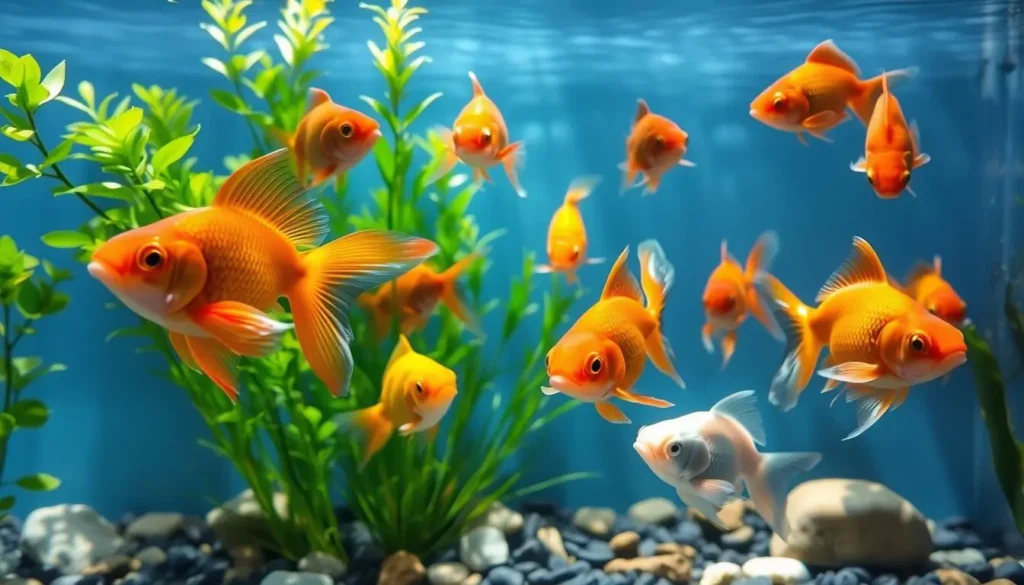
(841, 533)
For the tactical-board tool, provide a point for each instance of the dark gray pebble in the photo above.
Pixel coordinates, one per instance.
(711, 551)
(945, 539)
(531, 550)
(753, 581)
(623, 524)
(532, 524)
(887, 579)
(556, 563)
(526, 567)
(862, 574)
(44, 574)
(826, 578)
(91, 580)
(688, 533)
(449, 556)
(619, 579)
(596, 552)
(575, 536)
(981, 571)
(732, 556)
(992, 552)
(279, 565)
(647, 547)
(559, 576)
(539, 576)
(1011, 570)
(971, 540)
(213, 575)
(760, 549)
(957, 523)
(360, 546)
(645, 579)
(845, 577)
(504, 576)
(755, 521)
(542, 508)
(661, 534)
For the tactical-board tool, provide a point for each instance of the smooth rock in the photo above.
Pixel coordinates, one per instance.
(625, 545)
(711, 551)
(113, 567)
(69, 537)
(887, 579)
(596, 521)
(447, 573)
(945, 539)
(720, 574)
(676, 568)
(955, 577)
(688, 532)
(526, 567)
(503, 518)
(483, 547)
(952, 559)
(596, 552)
(731, 516)
(405, 568)
(654, 511)
(323, 563)
(753, 581)
(246, 555)
(155, 525)
(151, 556)
(359, 544)
(999, 582)
(983, 572)
(240, 520)
(1011, 570)
(733, 556)
(674, 548)
(474, 579)
(64, 580)
(290, 578)
(647, 548)
(504, 576)
(531, 550)
(551, 538)
(738, 538)
(842, 522)
(781, 571)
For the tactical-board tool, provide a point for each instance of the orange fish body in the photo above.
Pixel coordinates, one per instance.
(208, 275)
(567, 236)
(415, 295)
(480, 139)
(813, 97)
(891, 148)
(926, 285)
(655, 145)
(880, 340)
(603, 354)
(730, 295)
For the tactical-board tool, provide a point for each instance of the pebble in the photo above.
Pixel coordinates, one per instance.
(647, 548)
(688, 532)
(887, 579)
(733, 556)
(676, 568)
(405, 568)
(780, 570)
(359, 544)
(738, 538)
(240, 520)
(625, 545)
(1011, 570)
(955, 577)
(596, 553)
(504, 576)
(531, 550)
(289, 578)
(596, 521)
(113, 567)
(155, 525)
(945, 539)
(981, 571)
(483, 548)
(69, 537)
(319, 562)
(957, 558)
(551, 538)
(474, 579)
(753, 581)
(447, 573)
(660, 511)
(711, 551)
(526, 567)
(720, 574)
(503, 518)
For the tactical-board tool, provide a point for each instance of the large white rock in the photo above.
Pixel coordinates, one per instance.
(653, 511)
(290, 578)
(155, 525)
(596, 521)
(447, 574)
(241, 520)
(720, 574)
(482, 548)
(503, 518)
(69, 537)
(323, 563)
(781, 571)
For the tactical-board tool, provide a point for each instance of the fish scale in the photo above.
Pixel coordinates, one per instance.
(827, 88)
(854, 335)
(624, 321)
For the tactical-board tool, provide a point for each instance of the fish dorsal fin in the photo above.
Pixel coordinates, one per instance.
(478, 90)
(827, 53)
(861, 266)
(317, 96)
(885, 105)
(724, 252)
(268, 190)
(915, 137)
(937, 263)
(762, 255)
(919, 271)
(621, 282)
(402, 348)
(742, 406)
(642, 110)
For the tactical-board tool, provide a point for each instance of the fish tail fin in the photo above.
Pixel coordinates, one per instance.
(863, 101)
(512, 157)
(333, 276)
(656, 277)
(872, 404)
(760, 260)
(451, 297)
(580, 189)
(448, 156)
(802, 347)
(769, 485)
(369, 427)
(282, 136)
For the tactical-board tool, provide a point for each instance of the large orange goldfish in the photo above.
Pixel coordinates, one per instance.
(813, 97)
(567, 237)
(415, 394)
(730, 295)
(602, 355)
(655, 145)
(208, 275)
(926, 285)
(414, 296)
(330, 139)
(891, 148)
(480, 139)
(880, 340)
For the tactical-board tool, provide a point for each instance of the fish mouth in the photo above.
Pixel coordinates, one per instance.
(643, 450)
(103, 273)
(562, 384)
(953, 360)
(376, 134)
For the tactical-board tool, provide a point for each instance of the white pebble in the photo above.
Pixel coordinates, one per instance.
(290, 578)
(484, 547)
(720, 574)
(781, 570)
(447, 574)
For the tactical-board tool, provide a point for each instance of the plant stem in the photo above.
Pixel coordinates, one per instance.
(8, 380)
(149, 196)
(248, 122)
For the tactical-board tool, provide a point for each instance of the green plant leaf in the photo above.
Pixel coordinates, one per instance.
(38, 482)
(58, 154)
(419, 108)
(108, 189)
(6, 503)
(123, 123)
(7, 424)
(16, 120)
(54, 81)
(30, 413)
(171, 152)
(15, 134)
(229, 101)
(216, 65)
(66, 239)
(11, 69)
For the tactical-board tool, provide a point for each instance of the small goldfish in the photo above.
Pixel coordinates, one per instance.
(704, 455)
(813, 97)
(414, 296)
(926, 285)
(655, 145)
(208, 274)
(415, 394)
(730, 295)
(891, 148)
(480, 139)
(603, 353)
(880, 340)
(567, 237)
(330, 139)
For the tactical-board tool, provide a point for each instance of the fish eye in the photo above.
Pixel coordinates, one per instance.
(905, 177)
(778, 101)
(347, 130)
(485, 134)
(918, 343)
(150, 257)
(659, 140)
(419, 387)
(595, 364)
(547, 361)
(674, 449)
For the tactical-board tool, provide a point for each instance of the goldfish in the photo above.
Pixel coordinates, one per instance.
(705, 455)
(813, 97)
(567, 237)
(881, 341)
(926, 285)
(655, 145)
(603, 354)
(414, 296)
(330, 139)
(730, 295)
(415, 395)
(480, 139)
(209, 274)
(891, 149)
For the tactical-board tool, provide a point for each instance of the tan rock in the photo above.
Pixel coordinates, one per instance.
(674, 548)
(675, 567)
(596, 521)
(731, 515)
(625, 545)
(474, 579)
(1000, 560)
(401, 568)
(955, 577)
(551, 538)
(247, 556)
(1000, 582)
(241, 520)
(114, 567)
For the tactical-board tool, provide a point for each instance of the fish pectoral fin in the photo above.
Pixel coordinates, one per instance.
(716, 491)
(548, 390)
(641, 399)
(411, 427)
(322, 174)
(921, 160)
(821, 121)
(480, 175)
(242, 328)
(872, 404)
(692, 498)
(611, 413)
(596, 260)
(706, 333)
(543, 269)
(512, 158)
(216, 361)
(853, 372)
(686, 163)
(800, 137)
(728, 347)
(180, 344)
(450, 158)
(861, 166)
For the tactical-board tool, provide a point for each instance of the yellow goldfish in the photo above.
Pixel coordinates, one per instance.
(567, 237)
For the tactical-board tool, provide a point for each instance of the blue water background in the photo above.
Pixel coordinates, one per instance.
(567, 76)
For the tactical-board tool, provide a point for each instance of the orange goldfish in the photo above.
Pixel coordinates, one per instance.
(208, 275)
(480, 139)
(603, 353)
(813, 97)
(655, 145)
(567, 238)
(414, 296)
(730, 295)
(926, 285)
(415, 394)
(330, 139)
(880, 340)
(891, 148)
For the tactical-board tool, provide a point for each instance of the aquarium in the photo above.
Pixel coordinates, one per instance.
(463, 292)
